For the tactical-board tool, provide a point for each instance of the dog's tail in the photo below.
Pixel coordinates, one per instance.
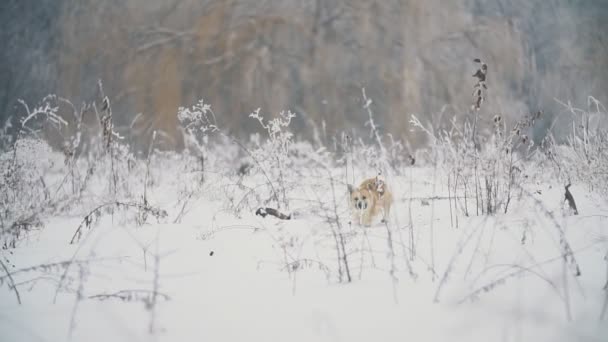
(380, 185)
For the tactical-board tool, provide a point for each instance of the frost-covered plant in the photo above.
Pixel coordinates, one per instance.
(90, 219)
(59, 123)
(197, 122)
(45, 113)
(482, 164)
(380, 160)
(374, 154)
(485, 173)
(272, 155)
(23, 190)
(584, 156)
(24, 194)
(279, 138)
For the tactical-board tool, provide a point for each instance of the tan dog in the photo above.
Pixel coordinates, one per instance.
(371, 199)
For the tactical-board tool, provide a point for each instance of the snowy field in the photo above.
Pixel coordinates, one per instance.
(164, 247)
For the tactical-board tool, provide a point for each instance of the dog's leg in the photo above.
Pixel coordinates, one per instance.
(386, 211)
(366, 219)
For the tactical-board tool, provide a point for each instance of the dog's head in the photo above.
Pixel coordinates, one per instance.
(361, 199)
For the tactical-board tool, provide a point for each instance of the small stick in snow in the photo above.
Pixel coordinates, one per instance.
(12, 285)
(570, 199)
(273, 212)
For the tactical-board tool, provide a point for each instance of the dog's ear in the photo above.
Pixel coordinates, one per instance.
(350, 188)
(380, 186)
(371, 186)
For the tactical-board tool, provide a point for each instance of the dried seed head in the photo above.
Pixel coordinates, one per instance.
(479, 74)
(105, 104)
(411, 159)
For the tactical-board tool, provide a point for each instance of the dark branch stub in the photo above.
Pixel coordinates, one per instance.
(570, 199)
(272, 212)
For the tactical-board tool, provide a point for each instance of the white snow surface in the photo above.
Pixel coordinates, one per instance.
(235, 276)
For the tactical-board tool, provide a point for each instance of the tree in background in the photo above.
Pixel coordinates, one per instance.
(312, 57)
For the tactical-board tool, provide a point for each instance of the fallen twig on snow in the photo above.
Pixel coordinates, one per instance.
(272, 212)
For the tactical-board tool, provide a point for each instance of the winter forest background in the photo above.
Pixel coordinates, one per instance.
(312, 57)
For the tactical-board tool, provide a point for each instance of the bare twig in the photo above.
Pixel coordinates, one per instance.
(12, 285)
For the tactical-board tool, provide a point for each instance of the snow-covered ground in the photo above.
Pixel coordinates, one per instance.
(211, 270)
